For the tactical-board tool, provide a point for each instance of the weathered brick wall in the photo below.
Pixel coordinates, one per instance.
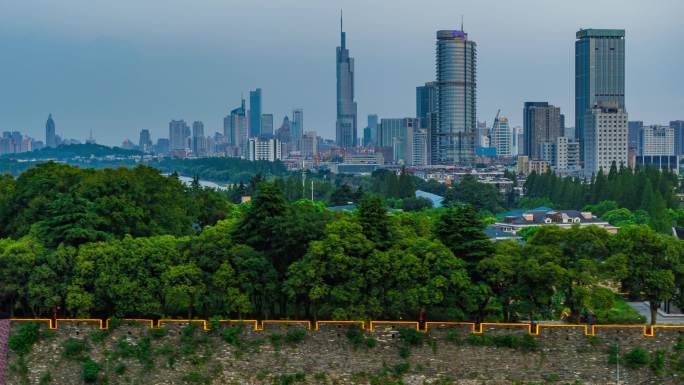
(565, 354)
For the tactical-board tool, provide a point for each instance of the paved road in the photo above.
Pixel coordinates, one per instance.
(643, 309)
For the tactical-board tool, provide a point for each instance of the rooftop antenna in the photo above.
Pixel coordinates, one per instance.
(341, 20)
(461, 23)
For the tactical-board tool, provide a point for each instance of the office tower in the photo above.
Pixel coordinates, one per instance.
(454, 137)
(199, 141)
(366, 136)
(235, 130)
(264, 149)
(634, 130)
(419, 150)
(267, 124)
(373, 129)
(50, 137)
(309, 145)
(605, 134)
(145, 141)
(397, 134)
(541, 123)
(656, 140)
(678, 127)
(502, 137)
(179, 132)
(345, 126)
(297, 126)
(426, 104)
(255, 113)
(516, 134)
(162, 146)
(599, 74)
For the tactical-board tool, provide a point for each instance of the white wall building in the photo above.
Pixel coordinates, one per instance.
(269, 149)
(605, 139)
(656, 140)
(502, 137)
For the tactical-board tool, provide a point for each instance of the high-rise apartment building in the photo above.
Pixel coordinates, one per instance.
(453, 138)
(50, 135)
(264, 149)
(678, 127)
(599, 74)
(199, 141)
(267, 124)
(541, 124)
(345, 125)
(255, 113)
(145, 141)
(656, 140)
(605, 134)
(502, 137)
(309, 145)
(419, 149)
(373, 129)
(179, 133)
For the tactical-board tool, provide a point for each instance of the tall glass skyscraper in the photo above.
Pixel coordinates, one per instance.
(345, 126)
(599, 74)
(297, 125)
(50, 136)
(255, 113)
(453, 139)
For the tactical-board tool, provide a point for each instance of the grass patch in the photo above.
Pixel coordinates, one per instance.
(619, 313)
(90, 370)
(74, 349)
(293, 337)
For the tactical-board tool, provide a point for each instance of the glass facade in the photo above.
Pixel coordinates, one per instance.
(453, 138)
(255, 113)
(345, 126)
(599, 73)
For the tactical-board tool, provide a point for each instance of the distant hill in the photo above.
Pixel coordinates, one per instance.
(73, 151)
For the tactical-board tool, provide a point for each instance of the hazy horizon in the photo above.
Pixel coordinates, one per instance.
(118, 67)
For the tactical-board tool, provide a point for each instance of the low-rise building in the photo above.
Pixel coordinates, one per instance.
(512, 224)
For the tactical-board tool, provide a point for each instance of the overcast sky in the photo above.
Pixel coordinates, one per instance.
(115, 67)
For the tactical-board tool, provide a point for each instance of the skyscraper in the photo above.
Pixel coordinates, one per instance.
(599, 74)
(50, 136)
(145, 141)
(372, 129)
(267, 124)
(345, 126)
(255, 113)
(235, 129)
(199, 142)
(453, 140)
(426, 103)
(297, 129)
(179, 132)
(541, 125)
(633, 132)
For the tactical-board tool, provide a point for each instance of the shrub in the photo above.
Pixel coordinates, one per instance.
(528, 343)
(74, 349)
(288, 379)
(231, 335)
(657, 362)
(613, 354)
(120, 368)
(480, 340)
(410, 337)
(45, 379)
(90, 370)
(453, 336)
(276, 340)
(355, 336)
(293, 337)
(371, 342)
(636, 358)
(401, 368)
(22, 341)
(506, 341)
(404, 352)
(158, 332)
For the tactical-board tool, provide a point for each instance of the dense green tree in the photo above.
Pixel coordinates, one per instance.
(460, 230)
(645, 262)
(373, 217)
(479, 195)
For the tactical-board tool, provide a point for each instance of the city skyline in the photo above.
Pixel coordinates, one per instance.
(97, 93)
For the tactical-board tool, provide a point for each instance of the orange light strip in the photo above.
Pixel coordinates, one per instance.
(87, 320)
(471, 324)
(48, 320)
